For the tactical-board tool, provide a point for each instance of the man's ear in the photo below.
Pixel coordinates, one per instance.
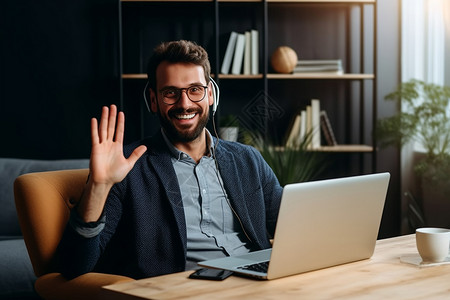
(153, 101)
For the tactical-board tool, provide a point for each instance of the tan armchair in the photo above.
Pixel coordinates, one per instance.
(43, 202)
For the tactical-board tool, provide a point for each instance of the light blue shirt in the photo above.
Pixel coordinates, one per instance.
(212, 229)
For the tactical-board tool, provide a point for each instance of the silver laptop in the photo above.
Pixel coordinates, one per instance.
(320, 224)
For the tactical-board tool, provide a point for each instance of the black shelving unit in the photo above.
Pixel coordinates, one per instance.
(353, 36)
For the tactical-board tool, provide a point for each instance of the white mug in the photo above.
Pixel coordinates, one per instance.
(433, 243)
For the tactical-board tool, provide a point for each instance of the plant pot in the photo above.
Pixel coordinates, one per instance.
(229, 133)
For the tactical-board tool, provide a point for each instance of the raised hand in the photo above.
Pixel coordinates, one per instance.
(107, 164)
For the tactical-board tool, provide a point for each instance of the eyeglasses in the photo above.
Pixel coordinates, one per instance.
(195, 93)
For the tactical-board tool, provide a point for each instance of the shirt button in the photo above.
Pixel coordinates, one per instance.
(204, 191)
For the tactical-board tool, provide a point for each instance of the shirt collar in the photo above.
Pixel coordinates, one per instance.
(179, 155)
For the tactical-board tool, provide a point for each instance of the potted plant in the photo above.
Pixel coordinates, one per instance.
(425, 118)
(229, 128)
(290, 164)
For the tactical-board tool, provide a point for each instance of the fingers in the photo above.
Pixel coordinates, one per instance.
(107, 128)
(103, 128)
(137, 153)
(120, 127)
(94, 132)
(112, 122)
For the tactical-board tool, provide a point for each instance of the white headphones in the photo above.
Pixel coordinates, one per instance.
(215, 92)
(216, 95)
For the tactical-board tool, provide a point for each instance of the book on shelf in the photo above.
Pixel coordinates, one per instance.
(255, 51)
(238, 54)
(315, 123)
(302, 125)
(247, 53)
(327, 130)
(319, 66)
(311, 123)
(226, 64)
(241, 54)
(293, 139)
(308, 127)
(319, 62)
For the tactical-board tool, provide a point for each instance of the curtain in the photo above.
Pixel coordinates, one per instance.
(425, 55)
(426, 41)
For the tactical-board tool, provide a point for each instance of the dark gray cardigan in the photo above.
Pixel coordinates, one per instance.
(145, 230)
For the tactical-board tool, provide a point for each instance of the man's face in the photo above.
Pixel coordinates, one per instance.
(185, 120)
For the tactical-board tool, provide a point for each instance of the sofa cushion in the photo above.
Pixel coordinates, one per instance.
(16, 276)
(10, 169)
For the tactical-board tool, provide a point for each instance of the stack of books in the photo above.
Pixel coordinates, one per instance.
(308, 125)
(241, 54)
(319, 66)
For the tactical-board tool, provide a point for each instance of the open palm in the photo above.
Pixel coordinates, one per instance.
(108, 164)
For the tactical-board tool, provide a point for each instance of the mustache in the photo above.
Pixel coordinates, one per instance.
(176, 111)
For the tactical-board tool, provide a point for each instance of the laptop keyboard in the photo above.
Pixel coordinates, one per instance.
(257, 267)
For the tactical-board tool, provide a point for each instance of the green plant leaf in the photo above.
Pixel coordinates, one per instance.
(425, 117)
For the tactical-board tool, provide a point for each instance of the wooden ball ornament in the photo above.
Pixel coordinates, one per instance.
(284, 59)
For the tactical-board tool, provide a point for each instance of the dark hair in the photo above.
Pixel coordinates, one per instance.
(174, 52)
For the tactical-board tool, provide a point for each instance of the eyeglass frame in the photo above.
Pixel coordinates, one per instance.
(180, 90)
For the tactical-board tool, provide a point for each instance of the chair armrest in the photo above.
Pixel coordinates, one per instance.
(87, 286)
(43, 203)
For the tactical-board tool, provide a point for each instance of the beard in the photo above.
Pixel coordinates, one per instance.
(183, 135)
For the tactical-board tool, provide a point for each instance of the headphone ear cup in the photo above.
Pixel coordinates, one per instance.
(214, 106)
(145, 98)
(216, 93)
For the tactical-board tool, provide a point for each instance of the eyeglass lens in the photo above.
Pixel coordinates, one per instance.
(194, 93)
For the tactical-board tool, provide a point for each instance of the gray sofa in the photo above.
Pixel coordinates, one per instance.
(16, 273)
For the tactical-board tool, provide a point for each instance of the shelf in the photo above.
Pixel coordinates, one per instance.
(229, 76)
(345, 148)
(320, 76)
(134, 76)
(338, 149)
(221, 76)
(166, 1)
(192, 1)
(279, 1)
(323, 1)
(276, 76)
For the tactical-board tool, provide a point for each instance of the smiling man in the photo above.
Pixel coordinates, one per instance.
(183, 113)
(162, 204)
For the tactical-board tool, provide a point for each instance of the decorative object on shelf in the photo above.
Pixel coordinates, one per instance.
(425, 118)
(284, 59)
(229, 133)
(229, 128)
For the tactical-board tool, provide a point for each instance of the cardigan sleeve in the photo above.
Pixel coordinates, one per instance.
(254, 190)
(84, 229)
(81, 245)
(272, 192)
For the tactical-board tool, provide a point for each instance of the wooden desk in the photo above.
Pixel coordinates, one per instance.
(382, 276)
